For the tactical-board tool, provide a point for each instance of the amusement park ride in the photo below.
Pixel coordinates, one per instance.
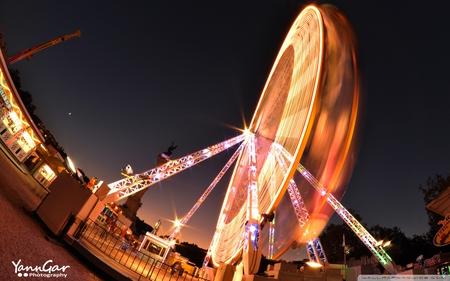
(296, 157)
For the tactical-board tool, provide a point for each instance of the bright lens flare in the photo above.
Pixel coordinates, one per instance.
(177, 223)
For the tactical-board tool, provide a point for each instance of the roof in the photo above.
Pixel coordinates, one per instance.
(441, 205)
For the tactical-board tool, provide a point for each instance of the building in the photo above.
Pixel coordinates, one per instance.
(20, 138)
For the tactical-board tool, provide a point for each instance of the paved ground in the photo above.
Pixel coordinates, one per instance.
(23, 241)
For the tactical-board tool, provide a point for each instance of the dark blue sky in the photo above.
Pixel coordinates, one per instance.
(148, 73)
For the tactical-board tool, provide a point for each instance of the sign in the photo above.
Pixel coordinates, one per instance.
(442, 237)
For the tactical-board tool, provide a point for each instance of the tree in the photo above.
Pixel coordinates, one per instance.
(434, 187)
(399, 248)
(402, 250)
(195, 254)
(332, 241)
(422, 245)
(166, 237)
(83, 178)
(25, 96)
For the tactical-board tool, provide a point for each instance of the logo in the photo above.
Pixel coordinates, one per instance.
(48, 269)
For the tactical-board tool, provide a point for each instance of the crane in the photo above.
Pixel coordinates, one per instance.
(28, 53)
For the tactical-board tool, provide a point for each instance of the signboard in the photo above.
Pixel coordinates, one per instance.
(442, 237)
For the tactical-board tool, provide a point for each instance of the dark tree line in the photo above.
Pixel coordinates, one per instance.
(434, 187)
(403, 250)
(25, 96)
(195, 254)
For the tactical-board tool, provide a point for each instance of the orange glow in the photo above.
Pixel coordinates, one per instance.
(15, 107)
(282, 117)
(314, 118)
(314, 264)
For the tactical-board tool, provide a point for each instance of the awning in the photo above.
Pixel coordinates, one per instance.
(441, 205)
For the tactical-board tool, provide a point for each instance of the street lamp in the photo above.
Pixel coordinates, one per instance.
(71, 165)
(383, 244)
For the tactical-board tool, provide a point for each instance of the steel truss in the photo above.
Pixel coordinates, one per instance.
(348, 218)
(316, 252)
(207, 192)
(137, 182)
(352, 222)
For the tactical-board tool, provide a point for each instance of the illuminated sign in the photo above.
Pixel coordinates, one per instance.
(442, 237)
(5, 98)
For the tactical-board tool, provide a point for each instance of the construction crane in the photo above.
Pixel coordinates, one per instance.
(28, 53)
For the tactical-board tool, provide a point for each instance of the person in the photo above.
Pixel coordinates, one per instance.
(176, 266)
(105, 230)
(125, 245)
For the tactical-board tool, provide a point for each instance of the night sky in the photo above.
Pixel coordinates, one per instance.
(145, 74)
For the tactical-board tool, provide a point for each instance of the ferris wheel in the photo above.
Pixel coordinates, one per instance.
(295, 159)
(308, 113)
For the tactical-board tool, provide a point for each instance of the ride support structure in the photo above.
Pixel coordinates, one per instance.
(137, 182)
(368, 240)
(252, 243)
(206, 193)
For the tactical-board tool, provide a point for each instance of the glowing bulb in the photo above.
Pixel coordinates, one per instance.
(177, 223)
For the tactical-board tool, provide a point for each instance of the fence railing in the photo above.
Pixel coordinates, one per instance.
(100, 240)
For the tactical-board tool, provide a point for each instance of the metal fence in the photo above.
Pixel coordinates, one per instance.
(100, 240)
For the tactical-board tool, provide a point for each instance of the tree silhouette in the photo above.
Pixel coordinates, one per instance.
(399, 249)
(25, 96)
(195, 254)
(434, 187)
(332, 239)
(403, 250)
